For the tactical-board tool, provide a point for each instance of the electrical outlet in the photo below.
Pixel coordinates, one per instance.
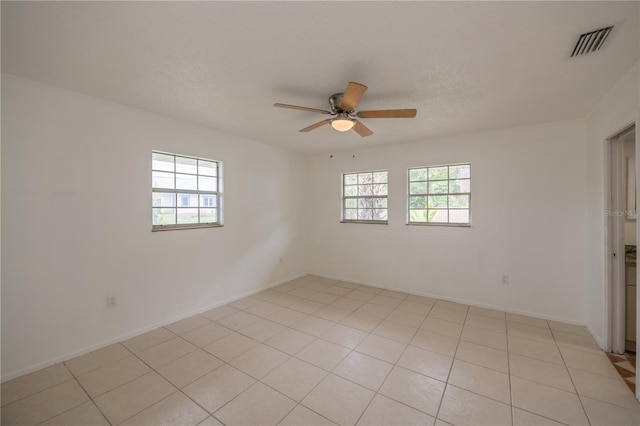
(281, 260)
(112, 301)
(505, 279)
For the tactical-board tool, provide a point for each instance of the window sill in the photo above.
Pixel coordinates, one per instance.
(453, 225)
(190, 226)
(372, 222)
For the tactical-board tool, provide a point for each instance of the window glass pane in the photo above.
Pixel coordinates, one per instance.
(207, 183)
(208, 215)
(438, 216)
(187, 200)
(350, 191)
(364, 178)
(365, 214)
(458, 201)
(437, 201)
(162, 162)
(418, 188)
(417, 215)
(351, 214)
(459, 216)
(379, 214)
(186, 165)
(418, 202)
(365, 190)
(187, 216)
(417, 174)
(351, 203)
(459, 185)
(457, 172)
(380, 189)
(380, 177)
(162, 180)
(438, 173)
(351, 179)
(163, 199)
(163, 216)
(209, 168)
(439, 187)
(208, 200)
(364, 203)
(186, 182)
(379, 203)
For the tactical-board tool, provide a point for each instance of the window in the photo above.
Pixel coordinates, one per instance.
(194, 182)
(207, 201)
(364, 197)
(440, 195)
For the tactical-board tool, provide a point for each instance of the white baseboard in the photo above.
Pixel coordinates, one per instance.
(137, 332)
(599, 340)
(463, 301)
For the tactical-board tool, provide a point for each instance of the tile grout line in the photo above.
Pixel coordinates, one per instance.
(71, 408)
(152, 371)
(431, 306)
(95, 369)
(571, 378)
(446, 384)
(390, 370)
(331, 372)
(38, 392)
(346, 379)
(306, 394)
(555, 345)
(88, 396)
(506, 335)
(290, 356)
(179, 390)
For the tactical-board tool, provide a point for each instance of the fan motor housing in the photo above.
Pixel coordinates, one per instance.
(335, 101)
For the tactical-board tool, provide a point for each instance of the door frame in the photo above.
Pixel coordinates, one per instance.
(615, 194)
(614, 291)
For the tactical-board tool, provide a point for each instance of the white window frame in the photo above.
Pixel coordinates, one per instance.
(448, 193)
(357, 197)
(178, 193)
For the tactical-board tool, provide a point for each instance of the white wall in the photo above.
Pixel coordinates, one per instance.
(617, 110)
(76, 223)
(528, 205)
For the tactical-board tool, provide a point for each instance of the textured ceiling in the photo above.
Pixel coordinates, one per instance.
(466, 66)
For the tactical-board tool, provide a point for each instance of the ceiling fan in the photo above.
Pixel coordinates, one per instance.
(343, 110)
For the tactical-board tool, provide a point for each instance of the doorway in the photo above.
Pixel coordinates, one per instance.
(622, 215)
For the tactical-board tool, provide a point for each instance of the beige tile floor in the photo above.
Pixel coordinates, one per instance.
(316, 351)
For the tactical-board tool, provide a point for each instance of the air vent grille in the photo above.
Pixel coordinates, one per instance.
(591, 41)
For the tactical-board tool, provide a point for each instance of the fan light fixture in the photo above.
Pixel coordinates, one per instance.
(342, 124)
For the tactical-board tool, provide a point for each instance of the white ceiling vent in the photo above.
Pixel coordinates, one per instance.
(591, 41)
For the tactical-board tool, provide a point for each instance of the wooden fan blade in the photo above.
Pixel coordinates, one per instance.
(352, 95)
(388, 113)
(315, 126)
(362, 130)
(321, 111)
